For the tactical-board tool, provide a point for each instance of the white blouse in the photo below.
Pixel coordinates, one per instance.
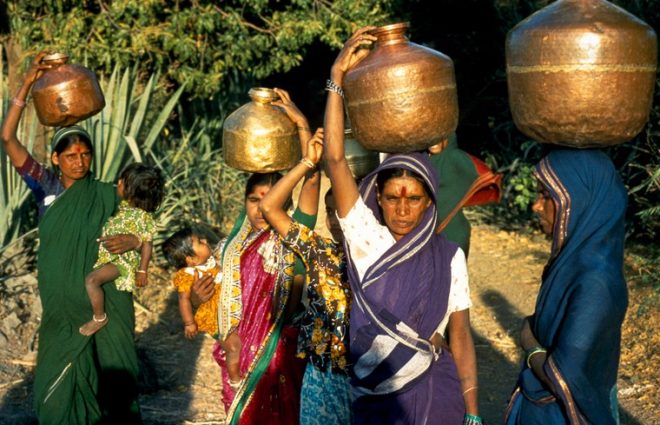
(368, 240)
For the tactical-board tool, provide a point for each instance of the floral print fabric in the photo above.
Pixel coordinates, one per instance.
(324, 325)
(128, 220)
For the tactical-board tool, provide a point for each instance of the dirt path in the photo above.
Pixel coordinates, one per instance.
(180, 381)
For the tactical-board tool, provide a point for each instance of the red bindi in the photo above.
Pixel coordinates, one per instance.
(403, 192)
(262, 193)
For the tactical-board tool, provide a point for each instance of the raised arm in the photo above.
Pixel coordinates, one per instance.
(308, 201)
(272, 204)
(15, 150)
(295, 115)
(344, 188)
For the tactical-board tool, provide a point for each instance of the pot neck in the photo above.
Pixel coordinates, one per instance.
(262, 95)
(55, 59)
(391, 34)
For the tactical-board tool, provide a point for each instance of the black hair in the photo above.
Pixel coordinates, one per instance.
(65, 142)
(179, 246)
(143, 186)
(264, 179)
(261, 179)
(390, 173)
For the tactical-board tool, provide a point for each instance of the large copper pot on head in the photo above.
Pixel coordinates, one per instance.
(402, 96)
(259, 137)
(581, 73)
(66, 93)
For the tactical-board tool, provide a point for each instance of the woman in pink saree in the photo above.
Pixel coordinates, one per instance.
(258, 275)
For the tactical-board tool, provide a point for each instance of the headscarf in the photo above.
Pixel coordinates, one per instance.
(63, 132)
(583, 298)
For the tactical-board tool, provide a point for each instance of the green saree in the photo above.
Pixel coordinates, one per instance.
(79, 379)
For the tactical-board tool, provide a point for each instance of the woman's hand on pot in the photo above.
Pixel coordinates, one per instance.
(290, 108)
(36, 68)
(352, 53)
(118, 244)
(202, 289)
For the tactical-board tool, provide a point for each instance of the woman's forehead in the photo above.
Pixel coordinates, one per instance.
(260, 190)
(76, 147)
(404, 183)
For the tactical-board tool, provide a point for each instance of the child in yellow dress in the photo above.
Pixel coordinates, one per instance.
(191, 254)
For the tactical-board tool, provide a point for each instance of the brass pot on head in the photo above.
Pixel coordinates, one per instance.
(259, 137)
(581, 73)
(66, 93)
(402, 96)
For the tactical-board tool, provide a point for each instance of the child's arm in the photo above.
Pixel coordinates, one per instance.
(186, 311)
(143, 269)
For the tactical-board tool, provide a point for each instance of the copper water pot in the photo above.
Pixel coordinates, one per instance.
(66, 93)
(581, 73)
(259, 137)
(402, 96)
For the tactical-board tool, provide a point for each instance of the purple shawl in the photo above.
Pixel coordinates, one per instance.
(398, 305)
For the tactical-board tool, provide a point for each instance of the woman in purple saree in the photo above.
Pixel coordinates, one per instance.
(409, 284)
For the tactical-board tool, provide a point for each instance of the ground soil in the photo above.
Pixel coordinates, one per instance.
(180, 381)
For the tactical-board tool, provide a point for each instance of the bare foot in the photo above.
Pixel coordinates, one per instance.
(91, 327)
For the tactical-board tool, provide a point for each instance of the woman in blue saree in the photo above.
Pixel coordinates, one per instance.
(572, 341)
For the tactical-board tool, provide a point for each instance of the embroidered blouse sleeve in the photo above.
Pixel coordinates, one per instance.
(459, 293)
(44, 183)
(367, 239)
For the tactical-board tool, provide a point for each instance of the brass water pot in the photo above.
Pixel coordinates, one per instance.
(581, 73)
(66, 93)
(402, 96)
(360, 160)
(259, 137)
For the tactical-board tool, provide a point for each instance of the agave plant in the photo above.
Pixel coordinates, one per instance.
(116, 129)
(201, 188)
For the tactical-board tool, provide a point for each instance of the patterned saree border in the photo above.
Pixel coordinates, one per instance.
(546, 174)
(574, 415)
(516, 393)
(245, 392)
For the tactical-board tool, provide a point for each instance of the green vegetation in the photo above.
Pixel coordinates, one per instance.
(202, 57)
(198, 43)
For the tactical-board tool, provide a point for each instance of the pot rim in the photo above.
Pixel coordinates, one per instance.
(55, 57)
(391, 28)
(262, 94)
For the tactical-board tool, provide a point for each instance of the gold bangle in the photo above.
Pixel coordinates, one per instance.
(302, 127)
(532, 352)
(470, 389)
(18, 102)
(309, 164)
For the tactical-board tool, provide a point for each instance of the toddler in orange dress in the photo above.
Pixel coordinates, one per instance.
(191, 254)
